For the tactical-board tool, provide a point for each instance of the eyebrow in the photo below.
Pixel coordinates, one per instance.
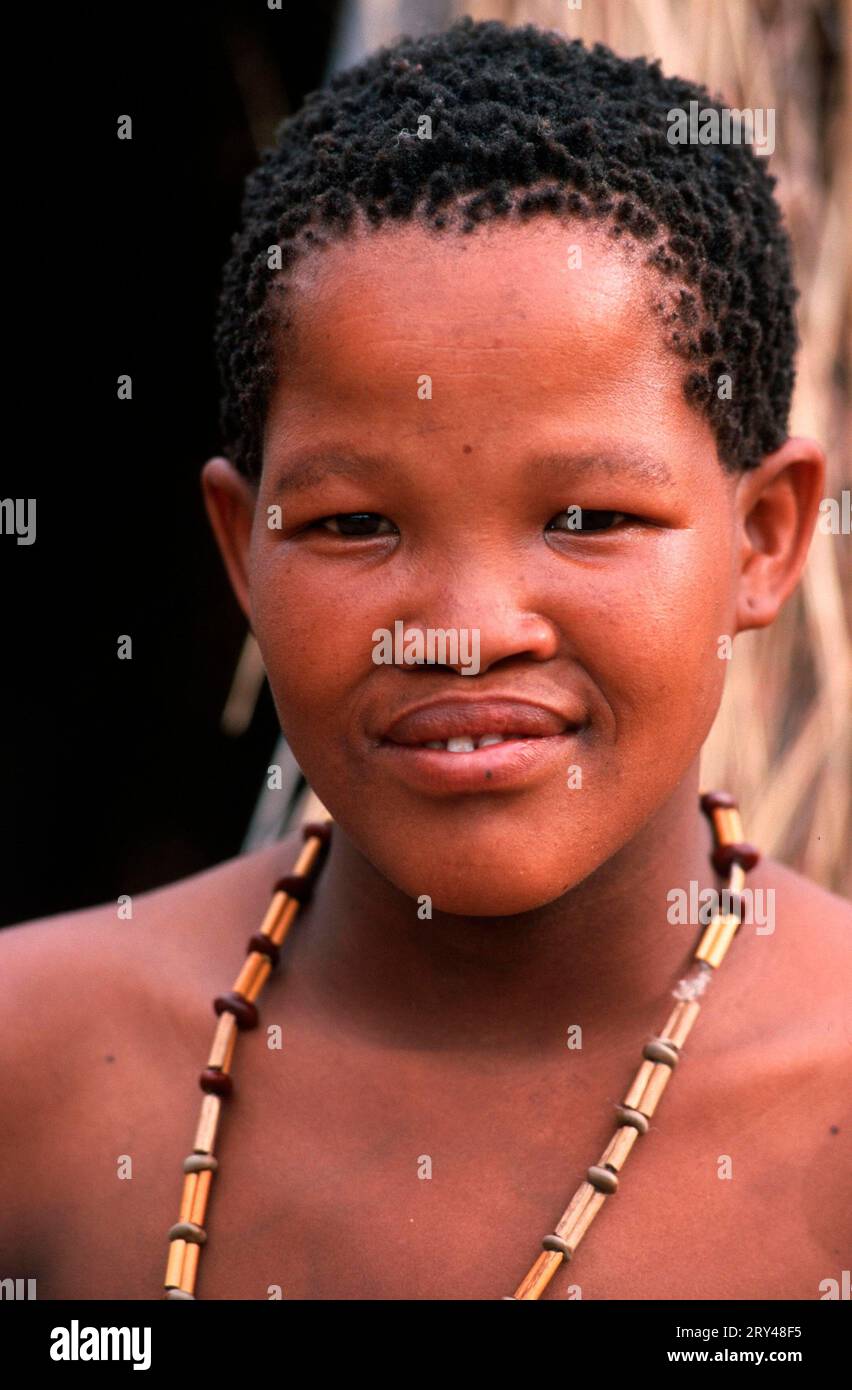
(311, 466)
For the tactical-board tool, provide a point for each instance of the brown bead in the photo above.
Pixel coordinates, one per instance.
(710, 801)
(627, 1116)
(200, 1163)
(298, 886)
(659, 1050)
(187, 1230)
(557, 1243)
(216, 1083)
(724, 856)
(602, 1179)
(320, 830)
(262, 943)
(243, 1010)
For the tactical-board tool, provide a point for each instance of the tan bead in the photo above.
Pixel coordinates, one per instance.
(637, 1090)
(224, 1042)
(713, 946)
(261, 976)
(174, 1268)
(247, 976)
(180, 1293)
(538, 1278)
(308, 857)
(616, 1152)
(199, 1203)
(728, 825)
(190, 1183)
(679, 1022)
(657, 1083)
(205, 1135)
(284, 923)
(190, 1268)
(584, 1194)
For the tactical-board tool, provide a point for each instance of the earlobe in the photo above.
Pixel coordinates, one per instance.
(778, 503)
(230, 501)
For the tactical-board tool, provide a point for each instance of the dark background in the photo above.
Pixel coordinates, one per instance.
(116, 775)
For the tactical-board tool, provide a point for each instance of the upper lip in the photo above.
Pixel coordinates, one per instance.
(439, 720)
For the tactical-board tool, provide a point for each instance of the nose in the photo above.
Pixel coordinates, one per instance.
(492, 616)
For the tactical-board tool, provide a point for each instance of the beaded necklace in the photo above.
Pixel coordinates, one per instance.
(237, 1010)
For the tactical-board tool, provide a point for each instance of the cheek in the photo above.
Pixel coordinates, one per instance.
(315, 635)
(650, 641)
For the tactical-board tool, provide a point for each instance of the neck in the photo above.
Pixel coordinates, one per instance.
(603, 955)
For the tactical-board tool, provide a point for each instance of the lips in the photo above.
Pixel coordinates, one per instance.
(463, 725)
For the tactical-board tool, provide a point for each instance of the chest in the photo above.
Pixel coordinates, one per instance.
(348, 1174)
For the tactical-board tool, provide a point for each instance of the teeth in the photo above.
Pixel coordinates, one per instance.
(465, 744)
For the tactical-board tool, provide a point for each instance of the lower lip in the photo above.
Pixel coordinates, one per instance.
(494, 768)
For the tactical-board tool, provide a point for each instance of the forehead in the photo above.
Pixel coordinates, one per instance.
(507, 322)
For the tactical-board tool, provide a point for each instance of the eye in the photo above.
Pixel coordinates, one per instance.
(355, 524)
(584, 520)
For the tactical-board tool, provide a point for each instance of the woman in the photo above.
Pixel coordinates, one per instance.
(501, 361)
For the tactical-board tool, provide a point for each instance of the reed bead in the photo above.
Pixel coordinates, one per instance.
(679, 1022)
(711, 801)
(616, 1152)
(736, 879)
(713, 946)
(190, 1183)
(745, 855)
(243, 1010)
(189, 1232)
(279, 905)
(243, 983)
(200, 1199)
(297, 886)
(180, 1293)
(174, 1267)
(637, 1090)
(584, 1219)
(208, 1123)
(189, 1272)
(259, 942)
(584, 1194)
(307, 861)
(262, 974)
(216, 1083)
(539, 1276)
(224, 1041)
(602, 1179)
(727, 825)
(660, 1050)
(658, 1082)
(200, 1163)
(285, 922)
(634, 1118)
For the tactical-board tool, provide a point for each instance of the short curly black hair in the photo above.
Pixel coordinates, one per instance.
(524, 122)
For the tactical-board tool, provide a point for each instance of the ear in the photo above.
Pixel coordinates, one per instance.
(230, 501)
(777, 503)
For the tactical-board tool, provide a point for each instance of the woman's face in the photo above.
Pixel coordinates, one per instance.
(469, 393)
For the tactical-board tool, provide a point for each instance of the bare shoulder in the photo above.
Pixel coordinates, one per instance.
(107, 995)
